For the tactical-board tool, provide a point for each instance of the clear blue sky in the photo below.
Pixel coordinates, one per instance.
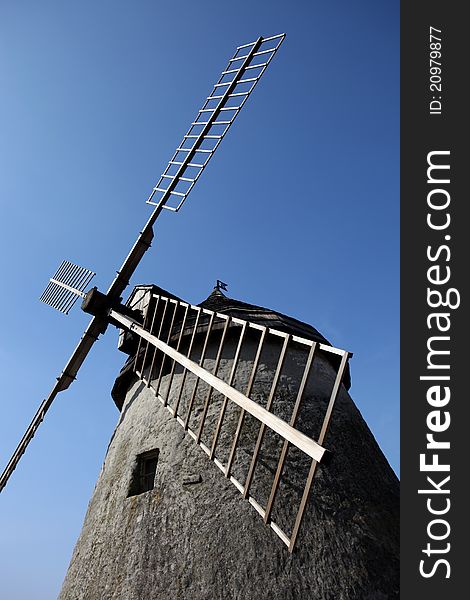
(298, 211)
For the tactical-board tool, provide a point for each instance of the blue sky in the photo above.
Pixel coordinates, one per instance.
(298, 211)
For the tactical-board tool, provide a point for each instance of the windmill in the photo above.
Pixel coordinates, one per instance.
(189, 356)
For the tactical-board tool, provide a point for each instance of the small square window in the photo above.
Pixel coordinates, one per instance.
(143, 476)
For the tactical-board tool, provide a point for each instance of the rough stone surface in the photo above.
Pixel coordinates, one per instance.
(194, 536)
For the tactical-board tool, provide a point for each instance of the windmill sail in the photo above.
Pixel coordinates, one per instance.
(160, 351)
(213, 120)
(62, 294)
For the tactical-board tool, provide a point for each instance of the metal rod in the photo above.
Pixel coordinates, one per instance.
(207, 137)
(230, 71)
(68, 304)
(273, 50)
(181, 178)
(49, 294)
(71, 272)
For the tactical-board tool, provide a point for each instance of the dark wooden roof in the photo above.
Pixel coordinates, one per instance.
(218, 302)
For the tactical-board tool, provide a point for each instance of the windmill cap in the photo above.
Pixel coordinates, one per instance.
(219, 302)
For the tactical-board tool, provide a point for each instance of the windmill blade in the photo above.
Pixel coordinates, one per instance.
(96, 326)
(213, 120)
(167, 321)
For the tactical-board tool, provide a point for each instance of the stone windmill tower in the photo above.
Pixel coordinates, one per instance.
(165, 523)
(240, 467)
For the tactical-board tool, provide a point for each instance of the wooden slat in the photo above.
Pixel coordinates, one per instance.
(173, 366)
(214, 371)
(241, 418)
(334, 395)
(292, 422)
(152, 324)
(201, 363)
(146, 319)
(313, 468)
(160, 329)
(229, 382)
(183, 378)
(262, 429)
(170, 329)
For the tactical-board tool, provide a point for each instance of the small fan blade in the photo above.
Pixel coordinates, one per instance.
(66, 286)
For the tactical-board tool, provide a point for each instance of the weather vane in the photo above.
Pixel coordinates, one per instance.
(220, 285)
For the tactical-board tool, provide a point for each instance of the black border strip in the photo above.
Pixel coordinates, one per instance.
(422, 133)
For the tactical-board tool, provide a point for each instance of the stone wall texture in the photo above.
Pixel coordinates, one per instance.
(194, 536)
